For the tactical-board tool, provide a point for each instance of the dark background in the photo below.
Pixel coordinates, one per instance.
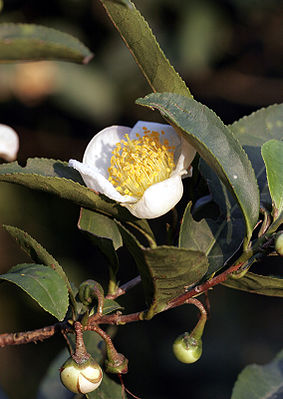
(229, 54)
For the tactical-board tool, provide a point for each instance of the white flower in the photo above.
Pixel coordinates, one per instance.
(9, 143)
(141, 168)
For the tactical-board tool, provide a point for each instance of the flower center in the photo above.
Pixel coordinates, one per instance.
(137, 164)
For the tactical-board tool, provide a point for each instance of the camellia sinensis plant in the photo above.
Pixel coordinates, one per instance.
(131, 175)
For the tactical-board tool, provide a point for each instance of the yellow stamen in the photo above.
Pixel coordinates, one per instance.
(139, 163)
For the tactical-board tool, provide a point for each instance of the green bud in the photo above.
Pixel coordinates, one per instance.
(187, 348)
(118, 365)
(81, 378)
(89, 290)
(279, 243)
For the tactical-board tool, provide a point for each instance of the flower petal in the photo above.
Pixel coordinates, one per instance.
(97, 182)
(9, 143)
(158, 199)
(99, 150)
(185, 159)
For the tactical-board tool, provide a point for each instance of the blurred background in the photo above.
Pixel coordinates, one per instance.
(230, 54)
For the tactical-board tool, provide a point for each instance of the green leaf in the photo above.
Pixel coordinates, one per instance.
(56, 177)
(43, 284)
(37, 253)
(218, 239)
(260, 382)
(166, 272)
(257, 284)
(51, 386)
(22, 42)
(147, 53)
(272, 153)
(253, 131)
(216, 145)
(110, 306)
(259, 127)
(100, 226)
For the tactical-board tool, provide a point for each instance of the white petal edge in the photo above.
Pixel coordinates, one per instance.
(98, 152)
(158, 199)
(97, 182)
(9, 143)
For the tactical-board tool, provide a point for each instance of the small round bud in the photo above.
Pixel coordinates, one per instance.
(81, 378)
(279, 243)
(117, 366)
(187, 349)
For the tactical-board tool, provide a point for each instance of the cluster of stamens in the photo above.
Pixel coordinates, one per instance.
(139, 163)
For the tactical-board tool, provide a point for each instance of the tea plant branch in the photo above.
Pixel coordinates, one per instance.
(259, 249)
(125, 287)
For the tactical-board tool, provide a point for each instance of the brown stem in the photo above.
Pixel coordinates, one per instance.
(117, 318)
(26, 337)
(125, 287)
(81, 354)
(116, 363)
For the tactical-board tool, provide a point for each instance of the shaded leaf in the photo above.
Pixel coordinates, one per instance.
(56, 177)
(257, 284)
(272, 153)
(43, 284)
(166, 272)
(110, 306)
(22, 42)
(253, 131)
(147, 53)
(216, 145)
(218, 239)
(37, 253)
(260, 382)
(100, 226)
(51, 386)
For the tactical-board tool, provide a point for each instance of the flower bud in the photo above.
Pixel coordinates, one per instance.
(187, 349)
(279, 243)
(81, 378)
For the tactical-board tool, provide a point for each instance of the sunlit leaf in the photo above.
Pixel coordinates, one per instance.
(272, 153)
(147, 53)
(260, 382)
(22, 42)
(43, 284)
(216, 145)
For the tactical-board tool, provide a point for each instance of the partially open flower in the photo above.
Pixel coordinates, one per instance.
(81, 378)
(141, 168)
(9, 143)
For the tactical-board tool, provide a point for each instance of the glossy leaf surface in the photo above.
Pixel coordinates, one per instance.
(43, 284)
(22, 42)
(216, 145)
